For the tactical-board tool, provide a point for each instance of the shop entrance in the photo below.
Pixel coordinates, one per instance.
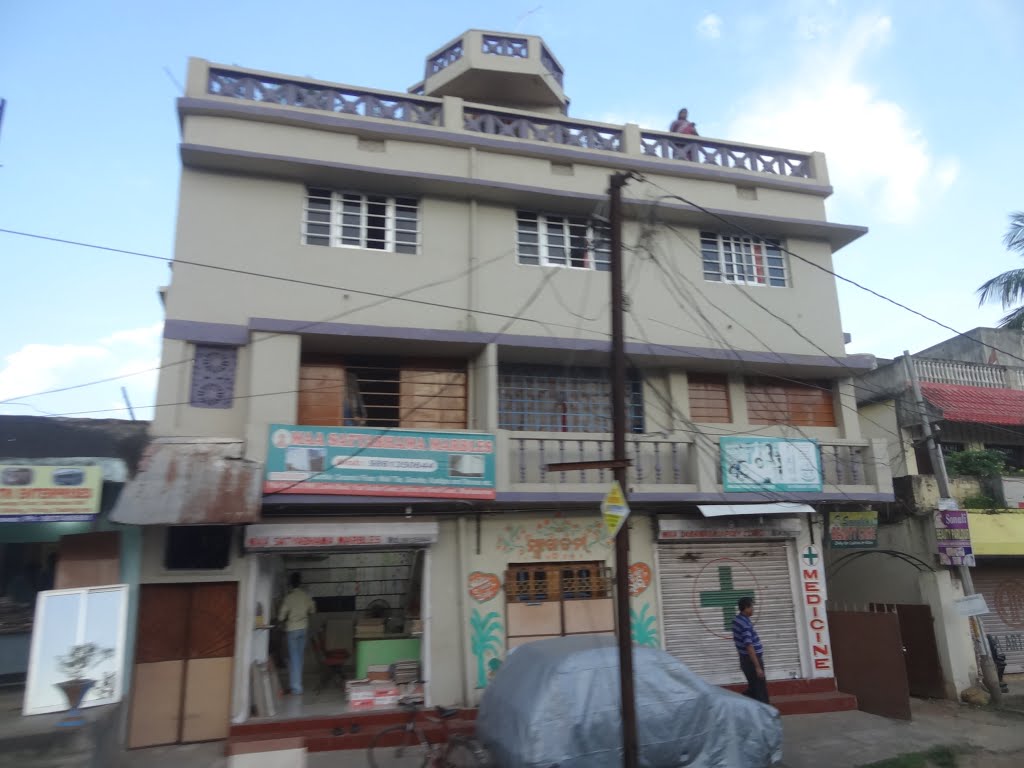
(363, 646)
(554, 599)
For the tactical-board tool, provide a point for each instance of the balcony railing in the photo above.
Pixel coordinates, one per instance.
(670, 146)
(340, 99)
(503, 45)
(655, 462)
(969, 374)
(445, 58)
(478, 118)
(551, 65)
(677, 464)
(539, 128)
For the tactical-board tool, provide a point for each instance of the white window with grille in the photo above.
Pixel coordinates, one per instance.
(743, 260)
(357, 220)
(547, 240)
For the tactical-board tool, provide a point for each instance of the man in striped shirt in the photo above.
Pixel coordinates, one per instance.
(751, 652)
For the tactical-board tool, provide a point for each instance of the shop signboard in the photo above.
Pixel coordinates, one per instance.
(614, 509)
(684, 529)
(953, 533)
(770, 464)
(853, 530)
(36, 493)
(357, 461)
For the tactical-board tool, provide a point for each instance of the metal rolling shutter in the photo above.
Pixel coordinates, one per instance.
(1003, 588)
(700, 584)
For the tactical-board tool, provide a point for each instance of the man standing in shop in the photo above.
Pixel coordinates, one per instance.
(751, 652)
(294, 613)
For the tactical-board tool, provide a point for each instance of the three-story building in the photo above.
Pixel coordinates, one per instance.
(391, 310)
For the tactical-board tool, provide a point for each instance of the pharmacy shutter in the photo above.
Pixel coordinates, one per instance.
(1003, 588)
(700, 584)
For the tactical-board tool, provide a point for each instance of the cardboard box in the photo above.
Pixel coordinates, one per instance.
(378, 673)
(361, 693)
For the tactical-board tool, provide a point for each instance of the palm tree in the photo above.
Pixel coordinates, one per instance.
(1008, 288)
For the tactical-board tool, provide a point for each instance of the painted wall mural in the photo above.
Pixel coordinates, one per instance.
(639, 579)
(554, 539)
(486, 633)
(484, 587)
(644, 626)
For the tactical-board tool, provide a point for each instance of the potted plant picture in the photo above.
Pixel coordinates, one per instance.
(76, 664)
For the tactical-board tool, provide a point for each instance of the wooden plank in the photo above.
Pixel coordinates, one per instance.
(155, 717)
(163, 623)
(207, 708)
(212, 620)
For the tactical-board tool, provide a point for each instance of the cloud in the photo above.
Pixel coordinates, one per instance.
(38, 367)
(710, 27)
(874, 149)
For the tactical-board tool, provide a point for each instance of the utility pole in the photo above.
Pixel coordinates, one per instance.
(988, 666)
(618, 464)
(629, 733)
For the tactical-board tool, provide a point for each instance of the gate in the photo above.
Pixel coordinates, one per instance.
(917, 628)
(869, 661)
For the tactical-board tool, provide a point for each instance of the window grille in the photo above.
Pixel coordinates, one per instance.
(549, 399)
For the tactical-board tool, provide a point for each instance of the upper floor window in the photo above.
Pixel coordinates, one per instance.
(743, 260)
(561, 241)
(797, 403)
(537, 398)
(355, 220)
(709, 398)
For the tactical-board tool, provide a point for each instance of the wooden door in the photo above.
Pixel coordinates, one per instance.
(184, 660)
(868, 652)
(924, 668)
(206, 708)
(161, 646)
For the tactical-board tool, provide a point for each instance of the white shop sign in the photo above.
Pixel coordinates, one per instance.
(721, 530)
(331, 535)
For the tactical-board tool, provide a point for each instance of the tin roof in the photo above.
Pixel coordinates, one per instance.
(192, 481)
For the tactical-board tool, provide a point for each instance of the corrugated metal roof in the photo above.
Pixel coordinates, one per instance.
(192, 482)
(976, 405)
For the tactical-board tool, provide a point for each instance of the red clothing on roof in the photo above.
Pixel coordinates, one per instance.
(979, 405)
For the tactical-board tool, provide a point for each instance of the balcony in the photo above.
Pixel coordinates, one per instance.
(448, 119)
(517, 69)
(678, 467)
(969, 374)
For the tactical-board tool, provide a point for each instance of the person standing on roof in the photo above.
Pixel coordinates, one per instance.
(751, 651)
(682, 124)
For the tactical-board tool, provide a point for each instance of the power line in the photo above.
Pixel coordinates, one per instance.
(734, 224)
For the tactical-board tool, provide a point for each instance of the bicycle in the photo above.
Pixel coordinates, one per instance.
(407, 745)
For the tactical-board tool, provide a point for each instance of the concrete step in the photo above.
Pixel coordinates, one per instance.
(814, 703)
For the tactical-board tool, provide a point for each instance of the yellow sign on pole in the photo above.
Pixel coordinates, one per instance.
(615, 509)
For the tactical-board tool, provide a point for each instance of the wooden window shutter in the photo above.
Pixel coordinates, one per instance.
(432, 397)
(709, 398)
(802, 404)
(321, 394)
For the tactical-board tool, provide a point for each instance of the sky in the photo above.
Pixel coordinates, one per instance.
(916, 104)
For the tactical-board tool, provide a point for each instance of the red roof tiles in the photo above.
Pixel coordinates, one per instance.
(978, 405)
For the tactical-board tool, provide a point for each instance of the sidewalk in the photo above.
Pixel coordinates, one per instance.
(851, 739)
(836, 740)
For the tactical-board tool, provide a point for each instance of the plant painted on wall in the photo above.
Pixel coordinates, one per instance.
(556, 538)
(644, 627)
(485, 640)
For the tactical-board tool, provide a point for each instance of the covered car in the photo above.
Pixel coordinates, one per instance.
(556, 703)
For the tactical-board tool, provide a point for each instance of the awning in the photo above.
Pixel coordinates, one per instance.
(977, 405)
(730, 510)
(192, 482)
(298, 536)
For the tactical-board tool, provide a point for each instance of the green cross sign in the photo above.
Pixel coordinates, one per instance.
(810, 556)
(726, 596)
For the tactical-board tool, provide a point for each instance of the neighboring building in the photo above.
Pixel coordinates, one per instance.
(408, 293)
(973, 387)
(59, 480)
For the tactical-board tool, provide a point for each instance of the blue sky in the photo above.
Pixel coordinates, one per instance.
(915, 102)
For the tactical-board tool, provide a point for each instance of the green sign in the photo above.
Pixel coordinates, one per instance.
(725, 597)
(853, 530)
(770, 464)
(357, 461)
